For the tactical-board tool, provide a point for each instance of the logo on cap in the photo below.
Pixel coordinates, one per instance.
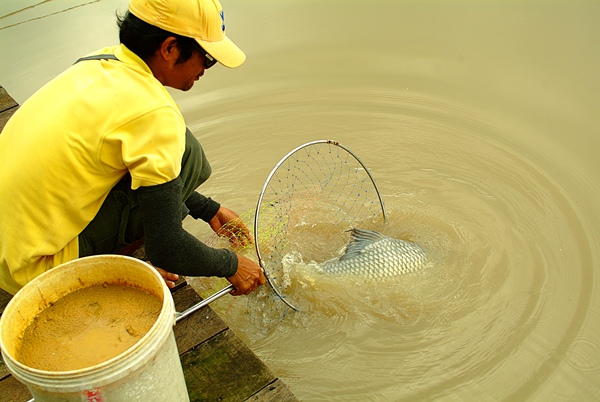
(222, 14)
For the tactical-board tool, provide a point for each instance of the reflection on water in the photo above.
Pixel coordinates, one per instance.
(479, 124)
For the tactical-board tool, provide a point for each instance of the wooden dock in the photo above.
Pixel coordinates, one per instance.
(217, 365)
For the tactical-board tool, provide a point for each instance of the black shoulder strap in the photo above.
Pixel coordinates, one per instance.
(98, 57)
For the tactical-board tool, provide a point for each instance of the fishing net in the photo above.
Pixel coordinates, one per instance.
(315, 193)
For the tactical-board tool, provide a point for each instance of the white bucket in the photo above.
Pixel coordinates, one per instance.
(150, 370)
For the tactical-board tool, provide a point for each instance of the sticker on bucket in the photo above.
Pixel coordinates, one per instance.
(93, 395)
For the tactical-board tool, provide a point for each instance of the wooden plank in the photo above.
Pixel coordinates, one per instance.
(224, 369)
(4, 116)
(8, 106)
(4, 373)
(6, 101)
(3, 370)
(197, 327)
(4, 299)
(276, 391)
(13, 390)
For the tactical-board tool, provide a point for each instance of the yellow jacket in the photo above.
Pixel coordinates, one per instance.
(68, 145)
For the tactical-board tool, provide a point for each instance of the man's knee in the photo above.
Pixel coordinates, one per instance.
(195, 168)
(192, 146)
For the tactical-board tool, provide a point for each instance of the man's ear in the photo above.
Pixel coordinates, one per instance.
(169, 50)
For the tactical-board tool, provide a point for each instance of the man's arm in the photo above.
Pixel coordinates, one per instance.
(172, 248)
(168, 245)
(202, 207)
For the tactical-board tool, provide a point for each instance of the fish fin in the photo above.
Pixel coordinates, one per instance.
(363, 235)
(359, 239)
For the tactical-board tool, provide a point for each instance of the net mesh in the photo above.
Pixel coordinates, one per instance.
(311, 197)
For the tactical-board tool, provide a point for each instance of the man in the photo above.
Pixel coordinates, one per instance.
(100, 156)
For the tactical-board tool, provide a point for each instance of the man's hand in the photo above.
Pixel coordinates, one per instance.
(247, 278)
(169, 278)
(227, 223)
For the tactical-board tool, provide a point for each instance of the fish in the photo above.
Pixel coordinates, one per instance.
(373, 255)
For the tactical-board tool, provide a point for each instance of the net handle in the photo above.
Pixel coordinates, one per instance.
(205, 302)
(264, 189)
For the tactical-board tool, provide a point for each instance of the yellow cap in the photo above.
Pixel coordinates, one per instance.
(202, 20)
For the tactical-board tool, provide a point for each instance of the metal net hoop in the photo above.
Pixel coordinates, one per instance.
(318, 183)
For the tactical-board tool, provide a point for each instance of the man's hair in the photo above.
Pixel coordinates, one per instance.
(145, 39)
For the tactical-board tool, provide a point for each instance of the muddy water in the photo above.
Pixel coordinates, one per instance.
(479, 123)
(88, 327)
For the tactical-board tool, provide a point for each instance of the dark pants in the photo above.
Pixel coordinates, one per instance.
(118, 223)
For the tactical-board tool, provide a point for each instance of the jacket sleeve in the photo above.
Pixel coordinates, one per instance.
(202, 207)
(171, 247)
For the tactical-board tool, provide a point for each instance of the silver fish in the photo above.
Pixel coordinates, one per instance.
(374, 255)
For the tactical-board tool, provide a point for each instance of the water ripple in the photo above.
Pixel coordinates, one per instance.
(506, 287)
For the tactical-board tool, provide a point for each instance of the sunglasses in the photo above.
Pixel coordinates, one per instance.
(209, 61)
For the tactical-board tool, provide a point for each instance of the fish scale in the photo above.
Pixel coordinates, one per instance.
(374, 255)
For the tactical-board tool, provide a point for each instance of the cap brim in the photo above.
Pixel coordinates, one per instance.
(225, 52)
